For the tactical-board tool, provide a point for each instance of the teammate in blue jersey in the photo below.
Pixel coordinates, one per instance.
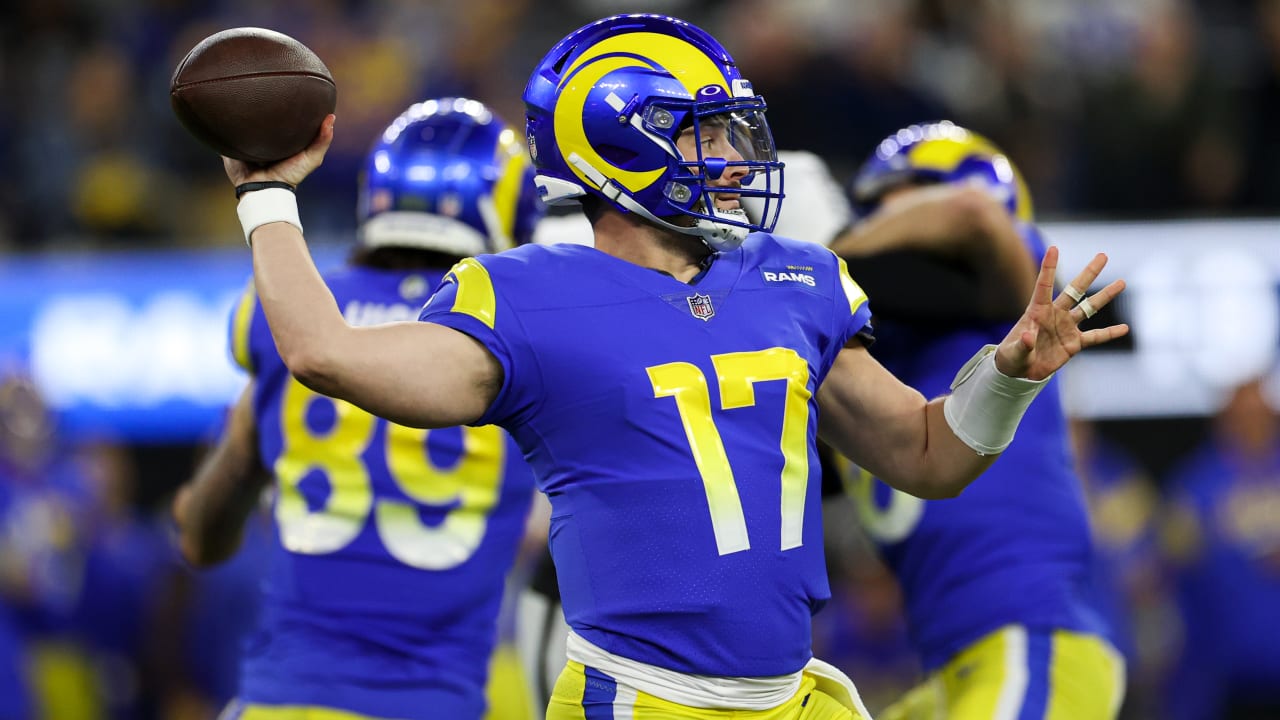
(1222, 539)
(393, 543)
(665, 384)
(996, 582)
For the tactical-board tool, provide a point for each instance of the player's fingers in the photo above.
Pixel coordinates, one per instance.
(1027, 340)
(1069, 297)
(1043, 294)
(1089, 306)
(1099, 336)
(1014, 352)
(236, 170)
(324, 138)
(295, 169)
(1081, 283)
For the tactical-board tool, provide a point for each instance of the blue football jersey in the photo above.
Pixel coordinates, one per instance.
(1123, 505)
(1224, 540)
(672, 426)
(1015, 547)
(392, 543)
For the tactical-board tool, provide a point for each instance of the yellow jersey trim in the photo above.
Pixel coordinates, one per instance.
(240, 326)
(475, 295)
(855, 295)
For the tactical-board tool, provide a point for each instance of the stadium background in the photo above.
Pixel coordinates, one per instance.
(1143, 127)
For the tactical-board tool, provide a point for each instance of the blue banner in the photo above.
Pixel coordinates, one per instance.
(129, 345)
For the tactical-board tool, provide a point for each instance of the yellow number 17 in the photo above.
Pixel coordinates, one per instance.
(737, 374)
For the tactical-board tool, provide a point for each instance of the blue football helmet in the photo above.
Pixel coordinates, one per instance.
(940, 152)
(607, 106)
(448, 175)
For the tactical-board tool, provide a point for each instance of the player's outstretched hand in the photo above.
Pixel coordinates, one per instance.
(1048, 334)
(291, 170)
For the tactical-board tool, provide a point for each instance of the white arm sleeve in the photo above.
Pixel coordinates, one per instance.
(985, 405)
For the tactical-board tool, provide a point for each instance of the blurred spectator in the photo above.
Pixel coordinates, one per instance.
(1129, 577)
(1223, 536)
(127, 565)
(837, 77)
(211, 615)
(16, 700)
(1261, 101)
(94, 623)
(774, 51)
(1115, 108)
(109, 191)
(1158, 140)
(44, 508)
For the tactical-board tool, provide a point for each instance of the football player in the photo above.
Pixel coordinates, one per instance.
(816, 209)
(665, 384)
(1222, 542)
(393, 543)
(996, 582)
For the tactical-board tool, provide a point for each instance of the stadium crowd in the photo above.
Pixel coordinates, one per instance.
(1120, 109)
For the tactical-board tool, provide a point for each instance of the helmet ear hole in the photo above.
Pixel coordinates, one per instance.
(560, 62)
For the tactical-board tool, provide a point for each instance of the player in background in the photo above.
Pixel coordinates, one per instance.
(665, 385)
(1132, 578)
(46, 520)
(393, 542)
(1222, 540)
(996, 582)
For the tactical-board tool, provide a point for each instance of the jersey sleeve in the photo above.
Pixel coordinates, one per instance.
(242, 322)
(853, 312)
(466, 300)
(850, 313)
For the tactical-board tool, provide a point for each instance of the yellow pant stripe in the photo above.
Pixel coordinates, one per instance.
(566, 698)
(990, 679)
(1086, 678)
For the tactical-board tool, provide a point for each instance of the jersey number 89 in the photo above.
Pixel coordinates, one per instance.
(470, 489)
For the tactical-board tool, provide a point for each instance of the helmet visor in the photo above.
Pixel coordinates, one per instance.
(728, 138)
(728, 156)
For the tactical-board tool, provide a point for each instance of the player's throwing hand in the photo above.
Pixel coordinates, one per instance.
(290, 170)
(1048, 333)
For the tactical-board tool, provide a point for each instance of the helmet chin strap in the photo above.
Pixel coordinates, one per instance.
(723, 237)
(720, 237)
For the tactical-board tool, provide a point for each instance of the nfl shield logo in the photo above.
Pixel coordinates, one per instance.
(700, 306)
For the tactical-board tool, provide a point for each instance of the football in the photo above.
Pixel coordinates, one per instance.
(252, 94)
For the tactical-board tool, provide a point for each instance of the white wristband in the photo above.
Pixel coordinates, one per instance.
(985, 405)
(260, 207)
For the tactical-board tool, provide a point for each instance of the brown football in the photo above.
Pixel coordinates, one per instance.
(252, 94)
